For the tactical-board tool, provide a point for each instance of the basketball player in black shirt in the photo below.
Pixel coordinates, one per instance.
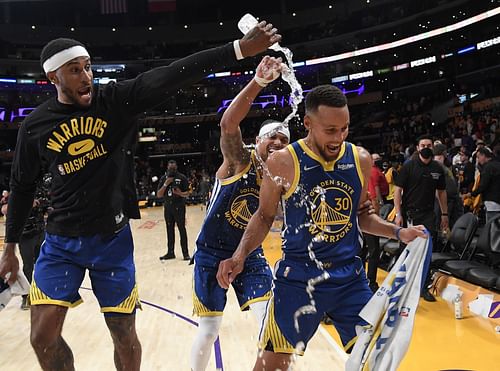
(84, 137)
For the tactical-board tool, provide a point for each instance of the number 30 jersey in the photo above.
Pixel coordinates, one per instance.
(320, 208)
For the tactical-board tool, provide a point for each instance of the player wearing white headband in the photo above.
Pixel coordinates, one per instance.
(234, 199)
(85, 138)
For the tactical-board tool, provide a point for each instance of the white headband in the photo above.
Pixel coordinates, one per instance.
(64, 56)
(274, 127)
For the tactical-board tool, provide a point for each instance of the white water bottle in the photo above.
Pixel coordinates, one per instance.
(457, 302)
(247, 22)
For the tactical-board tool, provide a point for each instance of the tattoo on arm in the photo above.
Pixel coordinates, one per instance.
(232, 149)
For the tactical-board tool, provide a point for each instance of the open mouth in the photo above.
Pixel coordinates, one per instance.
(333, 148)
(85, 93)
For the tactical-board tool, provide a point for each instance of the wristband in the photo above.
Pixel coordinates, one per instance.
(444, 214)
(262, 82)
(397, 233)
(237, 50)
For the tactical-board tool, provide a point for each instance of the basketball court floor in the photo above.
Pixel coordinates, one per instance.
(166, 326)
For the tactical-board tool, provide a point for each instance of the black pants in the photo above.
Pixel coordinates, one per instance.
(176, 214)
(428, 219)
(29, 247)
(373, 245)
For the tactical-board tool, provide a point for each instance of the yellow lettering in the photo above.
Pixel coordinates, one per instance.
(101, 129)
(51, 144)
(88, 125)
(67, 133)
(97, 126)
(72, 168)
(82, 128)
(66, 167)
(74, 126)
(59, 137)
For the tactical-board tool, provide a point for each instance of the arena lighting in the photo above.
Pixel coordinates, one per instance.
(401, 66)
(20, 112)
(147, 139)
(360, 75)
(108, 67)
(422, 61)
(9, 81)
(25, 81)
(103, 80)
(223, 74)
(359, 91)
(340, 79)
(443, 56)
(407, 40)
(466, 50)
(382, 71)
(488, 43)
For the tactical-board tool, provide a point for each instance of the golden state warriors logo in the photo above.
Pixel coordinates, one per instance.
(331, 215)
(242, 208)
(78, 138)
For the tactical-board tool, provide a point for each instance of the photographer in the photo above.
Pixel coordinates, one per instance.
(174, 190)
(34, 232)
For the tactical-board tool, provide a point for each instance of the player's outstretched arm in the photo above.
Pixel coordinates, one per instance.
(236, 157)
(372, 223)
(273, 186)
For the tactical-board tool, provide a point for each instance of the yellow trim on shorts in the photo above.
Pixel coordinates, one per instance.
(202, 311)
(327, 165)
(271, 332)
(350, 343)
(265, 297)
(128, 305)
(37, 297)
(355, 152)
(238, 176)
(296, 167)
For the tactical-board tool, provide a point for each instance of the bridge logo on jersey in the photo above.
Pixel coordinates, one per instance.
(242, 208)
(77, 138)
(331, 214)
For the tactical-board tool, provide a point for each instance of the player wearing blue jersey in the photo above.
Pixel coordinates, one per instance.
(322, 180)
(235, 197)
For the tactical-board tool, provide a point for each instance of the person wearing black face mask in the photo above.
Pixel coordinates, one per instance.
(174, 190)
(417, 184)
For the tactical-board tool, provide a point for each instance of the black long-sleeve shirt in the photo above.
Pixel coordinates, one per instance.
(90, 151)
(489, 182)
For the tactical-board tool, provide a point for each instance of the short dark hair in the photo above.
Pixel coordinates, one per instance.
(326, 95)
(486, 152)
(424, 136)
(439, 150)
(172, 162)
(55, 46)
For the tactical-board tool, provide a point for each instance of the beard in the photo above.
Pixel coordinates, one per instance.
(75, 99)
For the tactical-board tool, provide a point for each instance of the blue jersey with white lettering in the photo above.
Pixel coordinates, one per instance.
(320, 208)
(233, 202)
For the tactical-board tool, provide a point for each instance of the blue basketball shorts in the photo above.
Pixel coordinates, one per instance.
(61, 266)
(290, 321)
(253, 284)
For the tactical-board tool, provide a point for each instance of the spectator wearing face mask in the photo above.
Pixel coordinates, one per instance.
(417, 185)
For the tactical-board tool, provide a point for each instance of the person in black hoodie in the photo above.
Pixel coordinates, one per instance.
(489, 182)
(84, 137)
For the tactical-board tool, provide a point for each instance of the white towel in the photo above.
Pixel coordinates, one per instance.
(382, 344)
(20, 287)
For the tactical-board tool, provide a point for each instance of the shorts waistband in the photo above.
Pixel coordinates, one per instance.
(327, 263)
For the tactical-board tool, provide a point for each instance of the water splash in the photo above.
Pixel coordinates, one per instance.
(296, 93)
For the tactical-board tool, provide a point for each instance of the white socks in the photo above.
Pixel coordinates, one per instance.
(208, 329)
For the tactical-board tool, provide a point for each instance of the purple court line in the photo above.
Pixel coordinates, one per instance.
(217, 349)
